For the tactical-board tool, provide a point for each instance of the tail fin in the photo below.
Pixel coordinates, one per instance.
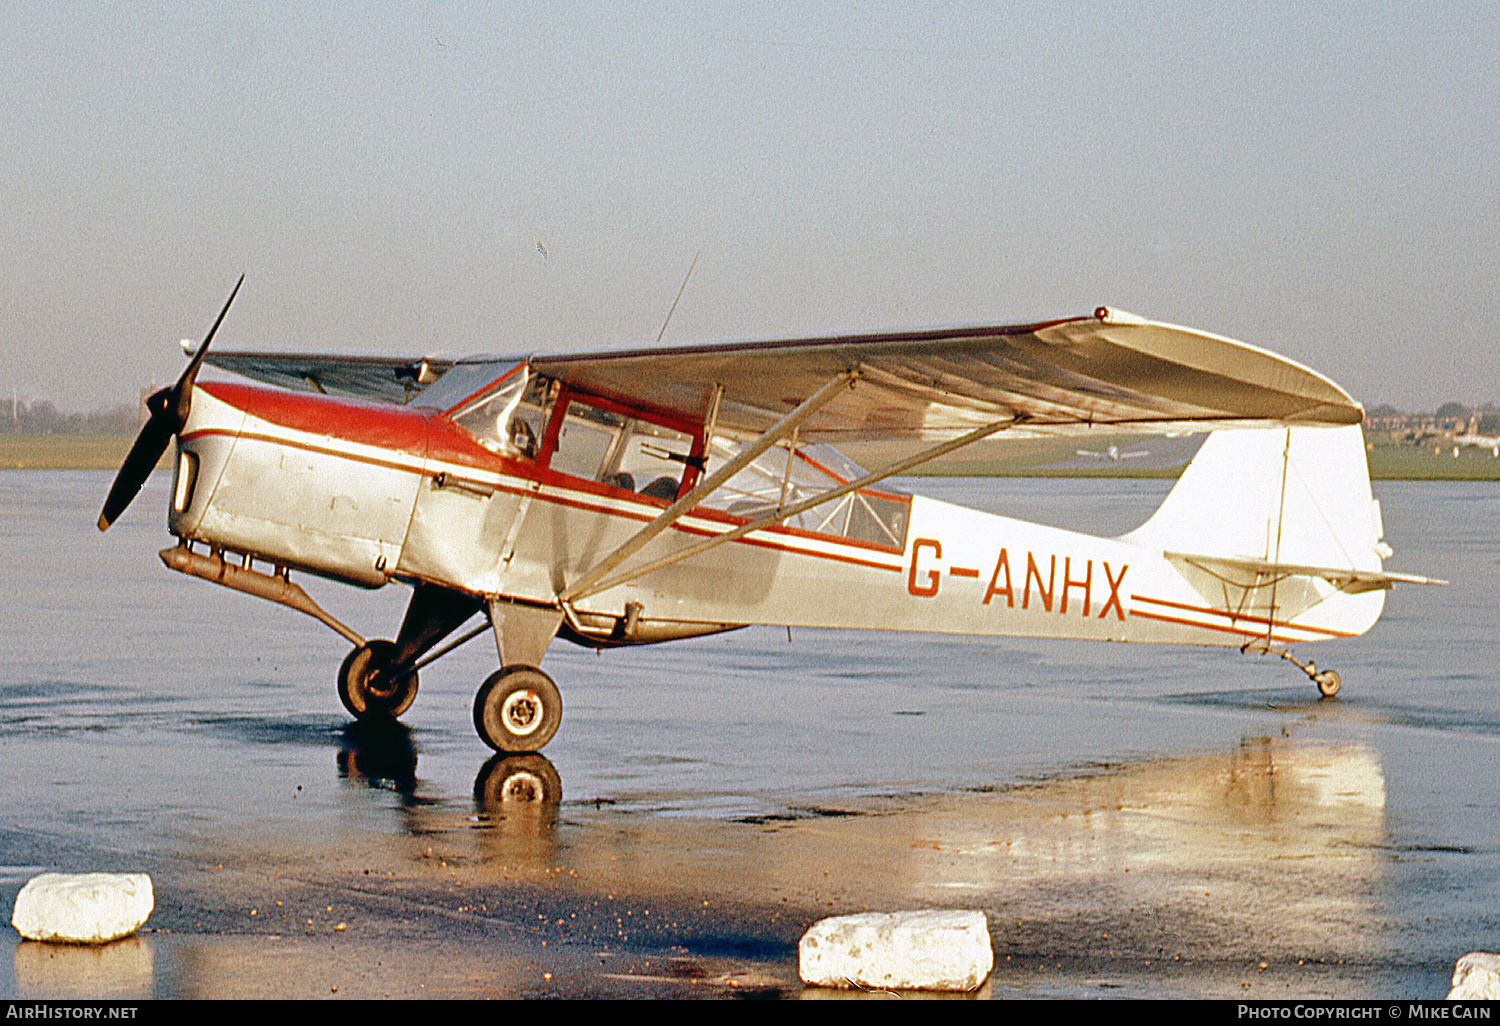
(1294, 496)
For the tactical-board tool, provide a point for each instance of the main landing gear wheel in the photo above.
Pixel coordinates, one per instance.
(365, 685)
(518, 709)
(1327, 682)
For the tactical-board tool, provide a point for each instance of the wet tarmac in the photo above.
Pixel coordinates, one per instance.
(1134, 820)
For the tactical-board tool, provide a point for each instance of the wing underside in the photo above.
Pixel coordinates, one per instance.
(1057, 377)
(378, 378)
(1075, 375)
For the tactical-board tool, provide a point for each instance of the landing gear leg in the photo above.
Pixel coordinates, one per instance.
(1327, 680)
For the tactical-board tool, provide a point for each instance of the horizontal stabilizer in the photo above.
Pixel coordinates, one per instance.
(1344, 578)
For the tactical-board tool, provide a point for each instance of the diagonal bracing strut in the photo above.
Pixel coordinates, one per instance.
(786, 512)
(685, 505)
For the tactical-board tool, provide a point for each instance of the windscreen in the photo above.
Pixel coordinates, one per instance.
(510, 419)
(459, 382)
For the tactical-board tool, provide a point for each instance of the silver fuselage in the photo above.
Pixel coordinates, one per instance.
(367, 494)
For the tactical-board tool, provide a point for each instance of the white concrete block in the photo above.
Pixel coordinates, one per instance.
(930, 950)
(1476, 978)
(83, 908)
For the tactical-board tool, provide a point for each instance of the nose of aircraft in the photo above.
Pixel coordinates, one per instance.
(169, 410)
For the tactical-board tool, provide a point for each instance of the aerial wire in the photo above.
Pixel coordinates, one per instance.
(680, 291)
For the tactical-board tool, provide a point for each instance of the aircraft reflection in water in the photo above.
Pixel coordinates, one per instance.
(1276, 847)
(1275, 850)
(382, 755)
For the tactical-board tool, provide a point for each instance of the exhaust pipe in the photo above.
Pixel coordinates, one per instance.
(274, 588)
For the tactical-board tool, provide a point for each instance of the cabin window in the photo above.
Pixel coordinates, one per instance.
(585, 440)
(652, 460)
(510, 420)
(777, 479)
(621, 451)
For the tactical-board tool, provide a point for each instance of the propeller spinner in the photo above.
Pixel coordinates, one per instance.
(169, 412)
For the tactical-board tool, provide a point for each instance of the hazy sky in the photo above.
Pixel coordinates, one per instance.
(1316, 179)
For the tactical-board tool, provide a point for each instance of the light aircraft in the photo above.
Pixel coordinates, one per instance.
(627, 498)
(1471, 436)
(1113, 454)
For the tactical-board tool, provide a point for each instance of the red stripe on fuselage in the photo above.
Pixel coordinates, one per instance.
(1236, 618)
(1232, 630)
(322, 450)
(375, 424)
(423, 432)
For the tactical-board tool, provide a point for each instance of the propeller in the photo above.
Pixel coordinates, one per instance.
(169, 410)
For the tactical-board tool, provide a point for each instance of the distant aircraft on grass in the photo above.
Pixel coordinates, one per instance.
(1471, 436)
(1114, 455)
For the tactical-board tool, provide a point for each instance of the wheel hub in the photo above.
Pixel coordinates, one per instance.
(522, 712)
(380, 685)
(517, 709)
(523, 788)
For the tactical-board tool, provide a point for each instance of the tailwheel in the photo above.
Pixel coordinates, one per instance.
(518, 709)
(368, 684)
(1327, 682)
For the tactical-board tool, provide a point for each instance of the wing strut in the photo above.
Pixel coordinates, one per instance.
(675, 512)
(786, 512)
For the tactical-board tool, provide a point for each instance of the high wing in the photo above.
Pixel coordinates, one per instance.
(383, 379)
(1054, 377)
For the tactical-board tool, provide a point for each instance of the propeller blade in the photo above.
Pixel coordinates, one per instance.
(169, 413)
(182, 392)
(144, 454)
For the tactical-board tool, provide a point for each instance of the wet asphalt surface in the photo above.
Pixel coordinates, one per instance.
(1133, 820)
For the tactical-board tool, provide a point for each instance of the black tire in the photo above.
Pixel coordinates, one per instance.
(518, 709)
(363, 685)
(512, 783)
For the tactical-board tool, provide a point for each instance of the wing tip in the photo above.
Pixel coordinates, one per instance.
(1114, 315)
